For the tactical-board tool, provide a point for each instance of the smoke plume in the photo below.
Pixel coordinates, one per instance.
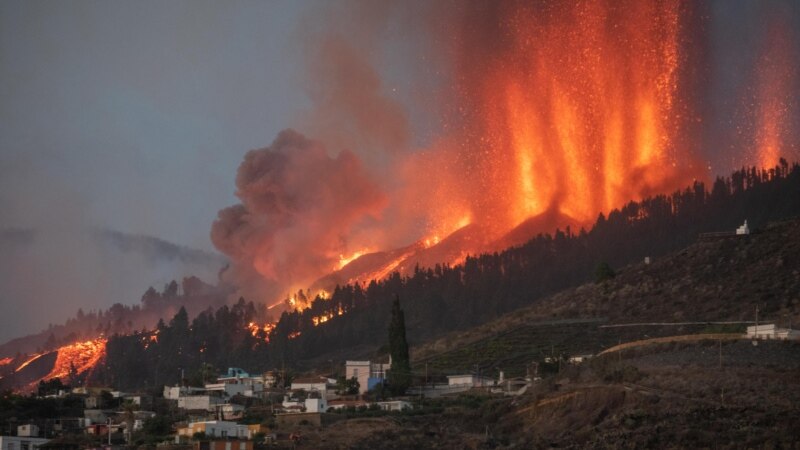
(298, 207)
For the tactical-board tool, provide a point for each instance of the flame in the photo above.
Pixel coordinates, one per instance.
(5, 361)
(266, 328)
(324, 318)
(294, 335)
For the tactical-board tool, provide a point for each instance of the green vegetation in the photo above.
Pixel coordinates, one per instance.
(603, 273)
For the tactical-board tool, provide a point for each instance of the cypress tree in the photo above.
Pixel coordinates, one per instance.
(400, 373)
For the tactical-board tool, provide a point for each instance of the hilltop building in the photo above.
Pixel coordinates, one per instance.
(770, 331)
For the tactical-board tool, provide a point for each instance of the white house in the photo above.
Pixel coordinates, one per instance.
(578, 359)
(228, 389)
(744, 229)
(469, 380)
(367, 373)
(395, 405)
(176, 392)
(315, 405)
(21, 442)
(198, 402)
(28, 430)
(218, 428)
(319, 384)
(252, 385)
(770, 331)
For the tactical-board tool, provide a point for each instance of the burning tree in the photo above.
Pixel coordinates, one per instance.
(400, 373)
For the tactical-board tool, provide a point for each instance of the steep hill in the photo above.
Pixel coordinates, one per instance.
(719, 279)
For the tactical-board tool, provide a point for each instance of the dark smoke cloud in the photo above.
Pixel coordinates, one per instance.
(298, 206)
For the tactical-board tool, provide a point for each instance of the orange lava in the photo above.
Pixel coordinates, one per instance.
(576, 112)
(82, 356)
(28, 361)
(345, 260)
(775, 76)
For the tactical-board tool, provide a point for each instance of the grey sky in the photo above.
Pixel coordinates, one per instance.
(135, 115)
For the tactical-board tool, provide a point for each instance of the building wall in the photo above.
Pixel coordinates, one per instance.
(361, 371)
(204, 402)
(227, 445)
(20, 443)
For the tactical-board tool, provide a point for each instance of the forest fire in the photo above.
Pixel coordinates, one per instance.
(258, 330)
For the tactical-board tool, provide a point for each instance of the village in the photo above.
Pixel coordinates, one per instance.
(239, 410)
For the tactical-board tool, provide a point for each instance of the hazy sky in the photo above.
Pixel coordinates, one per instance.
(134, 115)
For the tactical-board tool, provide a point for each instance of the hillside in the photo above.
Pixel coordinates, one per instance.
(707, 392)
(712, 280)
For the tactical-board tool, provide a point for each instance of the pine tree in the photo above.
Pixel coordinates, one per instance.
(400, 372)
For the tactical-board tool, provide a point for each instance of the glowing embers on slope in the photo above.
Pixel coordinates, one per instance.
(77, 358)
(345, 260)
(578, 113)
(261, 330)
(325, 317)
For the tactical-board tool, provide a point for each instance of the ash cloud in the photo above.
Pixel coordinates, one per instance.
(298, 206)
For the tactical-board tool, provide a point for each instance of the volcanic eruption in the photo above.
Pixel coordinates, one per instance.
(549, 113)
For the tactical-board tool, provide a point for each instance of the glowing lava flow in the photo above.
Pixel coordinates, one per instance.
(79, 357)
(345, 260)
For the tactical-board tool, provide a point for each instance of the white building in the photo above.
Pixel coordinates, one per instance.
(744, 229)
(367, 373)
(218, 428)
(199, 402)
(770, 331)
(247, 385)
(578, 359)
(229, 389)
(319, 384)
(315, 405)
(176, 392)
(469, 380)
(395, 405)
(21, 442)
(28, 430)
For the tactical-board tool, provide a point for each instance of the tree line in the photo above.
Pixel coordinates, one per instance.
(444, 298)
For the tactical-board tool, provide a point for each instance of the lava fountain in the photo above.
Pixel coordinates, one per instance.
(571, 108)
